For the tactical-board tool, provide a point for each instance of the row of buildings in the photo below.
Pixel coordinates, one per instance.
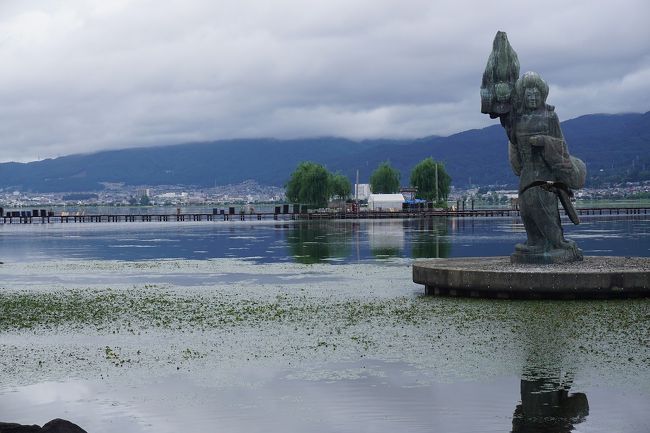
(250, 192)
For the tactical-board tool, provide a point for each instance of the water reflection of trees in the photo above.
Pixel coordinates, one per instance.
(430, 238)
(313, 242)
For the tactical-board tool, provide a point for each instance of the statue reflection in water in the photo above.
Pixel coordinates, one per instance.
(548, 407)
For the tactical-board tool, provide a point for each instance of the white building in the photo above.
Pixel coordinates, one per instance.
(361, 191)
(385, 202)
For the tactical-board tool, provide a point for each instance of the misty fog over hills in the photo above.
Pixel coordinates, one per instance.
(615, 148)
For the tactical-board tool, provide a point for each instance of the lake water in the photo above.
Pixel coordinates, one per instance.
(309, 242)
(297, 326)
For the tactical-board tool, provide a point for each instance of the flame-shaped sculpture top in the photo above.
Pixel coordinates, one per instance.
(501, 73)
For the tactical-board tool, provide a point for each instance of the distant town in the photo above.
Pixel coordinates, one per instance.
(116, 194)
(251, 192)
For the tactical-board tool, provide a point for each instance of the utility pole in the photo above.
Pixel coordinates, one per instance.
(356, 188)
(436, 183)
(356, 192)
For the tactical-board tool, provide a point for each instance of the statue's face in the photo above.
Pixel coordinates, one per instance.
(532, 98)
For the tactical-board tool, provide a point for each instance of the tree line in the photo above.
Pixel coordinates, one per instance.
(313, 185)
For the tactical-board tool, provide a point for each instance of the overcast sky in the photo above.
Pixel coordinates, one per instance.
(81, 76)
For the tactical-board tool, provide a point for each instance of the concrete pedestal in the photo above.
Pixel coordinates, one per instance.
(496, 277)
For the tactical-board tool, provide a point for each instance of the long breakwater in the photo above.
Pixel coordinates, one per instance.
(44, 217)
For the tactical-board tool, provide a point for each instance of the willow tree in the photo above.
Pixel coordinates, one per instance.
(340, 186)
(385, 179)
(431, 180)
(309, 184)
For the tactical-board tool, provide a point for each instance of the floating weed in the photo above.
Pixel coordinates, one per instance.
(188, 354)
(347, 325)
(308, 319)
(136, 309)
(363, 340)
(114, 358)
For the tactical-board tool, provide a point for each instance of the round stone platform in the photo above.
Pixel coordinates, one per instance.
(496, 277)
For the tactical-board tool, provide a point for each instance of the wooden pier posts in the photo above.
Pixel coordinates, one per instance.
(283, 212)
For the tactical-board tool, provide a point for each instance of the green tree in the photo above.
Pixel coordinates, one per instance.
(309, 184)
(426, 176)
(340, 186)
(385, 179)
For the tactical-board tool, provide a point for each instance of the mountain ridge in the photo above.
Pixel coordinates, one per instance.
(614, 146)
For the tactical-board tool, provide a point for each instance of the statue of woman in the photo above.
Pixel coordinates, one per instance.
(539, 156)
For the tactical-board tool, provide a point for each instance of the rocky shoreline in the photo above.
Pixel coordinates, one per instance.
(55, 426)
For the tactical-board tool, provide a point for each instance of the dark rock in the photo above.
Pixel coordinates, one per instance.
(61, 426)
(11, 427)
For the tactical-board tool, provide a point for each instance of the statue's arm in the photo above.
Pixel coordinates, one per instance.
(567, 169)
(507, 122)
(571, 170)
(515, 160)
(553, 142)
(554, 124)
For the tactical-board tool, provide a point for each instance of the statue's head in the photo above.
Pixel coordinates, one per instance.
(531, 91)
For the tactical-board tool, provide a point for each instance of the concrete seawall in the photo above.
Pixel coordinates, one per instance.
(496, 277)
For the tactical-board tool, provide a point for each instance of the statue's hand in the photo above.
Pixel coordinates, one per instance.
(537, 140)
(555, 153)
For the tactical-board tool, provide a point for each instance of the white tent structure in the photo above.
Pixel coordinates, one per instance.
(385, 202)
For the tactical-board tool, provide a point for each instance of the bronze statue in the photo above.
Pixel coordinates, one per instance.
(538, 155)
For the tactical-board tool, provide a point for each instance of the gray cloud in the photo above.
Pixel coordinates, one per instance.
(80, 76)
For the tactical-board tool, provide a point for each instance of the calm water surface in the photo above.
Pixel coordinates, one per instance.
(309, 242)
(448, 365)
